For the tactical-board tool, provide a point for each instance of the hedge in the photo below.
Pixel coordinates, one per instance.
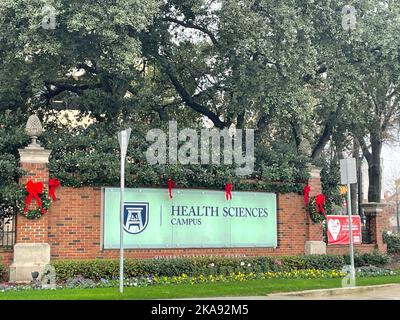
(368, 259)
(109, 269)
(393, 242)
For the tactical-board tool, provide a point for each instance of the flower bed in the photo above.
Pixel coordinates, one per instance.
(184, 279)
(1, 271)
(109, 269)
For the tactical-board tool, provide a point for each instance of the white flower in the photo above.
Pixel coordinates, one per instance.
(249, 265)
(242, 264)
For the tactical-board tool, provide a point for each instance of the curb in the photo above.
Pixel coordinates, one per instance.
(330, 292)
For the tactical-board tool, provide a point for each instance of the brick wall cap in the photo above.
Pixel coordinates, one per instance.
(373, 208)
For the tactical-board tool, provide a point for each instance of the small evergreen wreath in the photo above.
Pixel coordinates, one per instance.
(312, 209)
(33, 214)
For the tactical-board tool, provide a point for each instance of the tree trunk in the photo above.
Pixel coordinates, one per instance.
(374, 169)
(326, 134)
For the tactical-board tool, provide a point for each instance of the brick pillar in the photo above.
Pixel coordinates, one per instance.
(377, 222)
(31, 251)
(314, 243)
(35, 164)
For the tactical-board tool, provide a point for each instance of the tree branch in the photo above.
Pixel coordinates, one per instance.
(328, 129)
(87, 68)
(61, 87)
(191, 25)
(187, 98)
(296, 133)
(364, 148)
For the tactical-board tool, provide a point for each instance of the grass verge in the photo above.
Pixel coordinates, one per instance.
(246, 288)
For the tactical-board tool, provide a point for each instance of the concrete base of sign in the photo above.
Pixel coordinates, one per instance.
(315, 247)
(29, 257)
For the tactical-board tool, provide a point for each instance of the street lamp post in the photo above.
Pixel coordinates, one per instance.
(123, 138)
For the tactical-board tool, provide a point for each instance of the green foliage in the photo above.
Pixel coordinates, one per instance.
(393, 242)
(285, 68)
(312, 209)
(12, 137)
(375, 259)
(109, 269)
(89, 156)
(33, 214)
(184, 279)
(104, 33)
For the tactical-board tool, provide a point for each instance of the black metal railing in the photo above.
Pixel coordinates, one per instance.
(7, 226)
(366, 232)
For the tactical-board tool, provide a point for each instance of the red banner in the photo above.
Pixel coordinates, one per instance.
(338, 229)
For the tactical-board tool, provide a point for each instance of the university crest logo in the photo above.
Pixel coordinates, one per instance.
(136, 216)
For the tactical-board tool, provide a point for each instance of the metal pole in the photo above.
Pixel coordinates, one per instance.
(123, 138)
(397, 208)
(352, 274)
(121, 234)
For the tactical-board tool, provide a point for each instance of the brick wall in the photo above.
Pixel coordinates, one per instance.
(74, 229)
(6, 257)
(314, 230)
(344, 249)
(33, 231)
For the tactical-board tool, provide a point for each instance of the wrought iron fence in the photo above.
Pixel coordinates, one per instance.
(7, 226)
(366, 231)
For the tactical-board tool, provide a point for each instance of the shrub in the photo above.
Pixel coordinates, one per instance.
(109, 269)
(368, 259)
(393, 242)
(320, 262)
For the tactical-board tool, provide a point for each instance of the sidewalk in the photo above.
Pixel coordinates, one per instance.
(380, 292)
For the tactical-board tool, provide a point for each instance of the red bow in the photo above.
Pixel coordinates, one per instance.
(306, 194)
(228, 189)
(53, 185)
(171, 184)
(34, 189)
(320, 202)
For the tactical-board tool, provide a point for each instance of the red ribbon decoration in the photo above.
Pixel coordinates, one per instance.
(34, 189)
(320, 202)
(53, 185)
(306, 194)
(228, 189)
(171, 184)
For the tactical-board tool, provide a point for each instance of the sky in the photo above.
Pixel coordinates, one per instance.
(391, 164)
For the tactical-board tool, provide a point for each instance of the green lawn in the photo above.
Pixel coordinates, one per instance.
(247, 288)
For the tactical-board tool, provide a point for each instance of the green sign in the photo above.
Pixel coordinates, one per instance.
(192, 219)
